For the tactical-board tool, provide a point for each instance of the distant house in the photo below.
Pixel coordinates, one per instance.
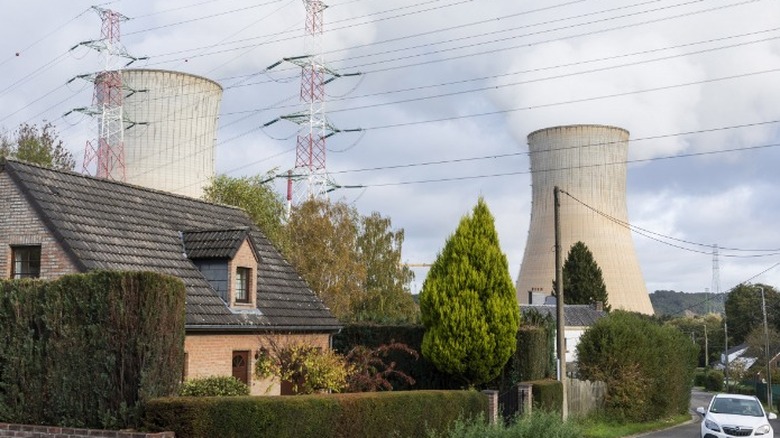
(577, 319)
(240, 291)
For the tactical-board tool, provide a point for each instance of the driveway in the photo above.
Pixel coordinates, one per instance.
(691, 429)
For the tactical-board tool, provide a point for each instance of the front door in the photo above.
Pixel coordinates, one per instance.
(241, 366)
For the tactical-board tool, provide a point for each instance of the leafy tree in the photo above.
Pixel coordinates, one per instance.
(757, 341)
(744, 311)
(468, 303)
(322, 239)
(254, 195)
(38, 146)
(583, 282)
(693, 327)
(648, 366)
(386, 297)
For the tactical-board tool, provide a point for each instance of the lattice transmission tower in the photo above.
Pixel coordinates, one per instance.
(715, 286)
(106, 153)
(309, 177)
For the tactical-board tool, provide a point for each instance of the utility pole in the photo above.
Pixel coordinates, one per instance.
(726, 350)
(706, 348)
(559, 302)
(766, 352)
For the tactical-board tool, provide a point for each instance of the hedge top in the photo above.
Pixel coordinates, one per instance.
(105, 224)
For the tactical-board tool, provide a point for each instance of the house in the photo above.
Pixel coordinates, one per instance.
(577, 318)
(240, 292)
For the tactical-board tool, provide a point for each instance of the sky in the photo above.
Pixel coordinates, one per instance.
(449, 91)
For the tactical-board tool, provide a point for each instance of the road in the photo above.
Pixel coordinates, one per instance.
(690, 430)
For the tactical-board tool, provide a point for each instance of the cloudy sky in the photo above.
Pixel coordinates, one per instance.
(448, 93)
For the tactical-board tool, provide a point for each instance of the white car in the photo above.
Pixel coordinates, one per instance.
(735, 415)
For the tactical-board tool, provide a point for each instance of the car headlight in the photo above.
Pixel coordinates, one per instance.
(761, 430)
(711, 425)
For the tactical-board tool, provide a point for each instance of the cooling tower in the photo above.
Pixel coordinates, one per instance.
(171, 120)
(588, 162)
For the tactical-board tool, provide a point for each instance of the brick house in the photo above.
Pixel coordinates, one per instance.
(241, 292)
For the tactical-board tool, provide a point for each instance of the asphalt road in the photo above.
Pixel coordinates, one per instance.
(691, 430)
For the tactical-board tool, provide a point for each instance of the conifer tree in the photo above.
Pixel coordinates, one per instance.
(583, 282)
(468, 303)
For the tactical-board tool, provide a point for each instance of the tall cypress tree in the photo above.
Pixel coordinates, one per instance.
(468, 303)
(583, 282)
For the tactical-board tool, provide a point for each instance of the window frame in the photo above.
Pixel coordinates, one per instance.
(243, 282)
(25, 267)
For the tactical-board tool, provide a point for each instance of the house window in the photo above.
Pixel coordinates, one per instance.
(243, 278)
(26, 262)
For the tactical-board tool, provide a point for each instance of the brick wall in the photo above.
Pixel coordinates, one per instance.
(244, 258)
(29, 431)
(212, 354)
(20, 225)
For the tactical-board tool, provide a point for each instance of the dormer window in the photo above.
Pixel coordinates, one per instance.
(26, 262)
(243, 284)
(228, 260)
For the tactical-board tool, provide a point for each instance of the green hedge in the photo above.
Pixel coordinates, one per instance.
(423, 371)
(398, 414)
(713, 381)
(214, 386)
(532, 358)
(87, 350)
(547, 395)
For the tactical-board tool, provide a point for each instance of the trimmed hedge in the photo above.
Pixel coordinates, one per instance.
(547, 395)
(532, 358)
(214, 386)
(87, 350)
(398, 414)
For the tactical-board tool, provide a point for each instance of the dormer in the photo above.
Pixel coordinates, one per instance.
(229, 261)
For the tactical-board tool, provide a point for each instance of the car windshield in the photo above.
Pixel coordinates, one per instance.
(736, 406)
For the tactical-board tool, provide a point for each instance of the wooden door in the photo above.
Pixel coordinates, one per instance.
(241, 366)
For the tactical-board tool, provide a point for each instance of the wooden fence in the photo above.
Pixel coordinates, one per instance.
(584, 396)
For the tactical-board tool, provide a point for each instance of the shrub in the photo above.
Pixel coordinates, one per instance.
(87, 350)
(214, 386)
(648, 367)
(392, 414)
(700, 377)
(714, 381)
(310, 369)
(370, 370)
(547, 395)
(538, 424)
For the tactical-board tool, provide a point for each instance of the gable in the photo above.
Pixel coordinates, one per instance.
(110, 225)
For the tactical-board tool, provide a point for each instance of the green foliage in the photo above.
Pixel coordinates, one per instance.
(214, 386)
(583, 282)
(256, 196)
(468, 303)
(381, 414)
(694, 328)
(647, 366)
(88, 350)
(532, 359)
(668, 303)
(538, 424)
(365, 280)
(547, 395)
(386, 295)
(713, 381)
(310, 369)
(744, 311)
(38, 146)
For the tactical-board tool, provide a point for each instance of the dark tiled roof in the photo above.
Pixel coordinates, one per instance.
(213, 244)
(109, 225)
(575, 315)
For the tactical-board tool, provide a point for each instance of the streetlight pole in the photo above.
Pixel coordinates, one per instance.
(766, 352)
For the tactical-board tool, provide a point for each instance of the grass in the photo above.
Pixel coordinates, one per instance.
(599, 427)
(549, 425)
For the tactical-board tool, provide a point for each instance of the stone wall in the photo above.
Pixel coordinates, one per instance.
(29, 431)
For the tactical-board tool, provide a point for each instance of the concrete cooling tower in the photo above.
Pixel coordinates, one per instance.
(170, 141)
(588, 162)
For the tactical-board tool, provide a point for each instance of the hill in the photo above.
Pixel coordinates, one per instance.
(671, 303)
